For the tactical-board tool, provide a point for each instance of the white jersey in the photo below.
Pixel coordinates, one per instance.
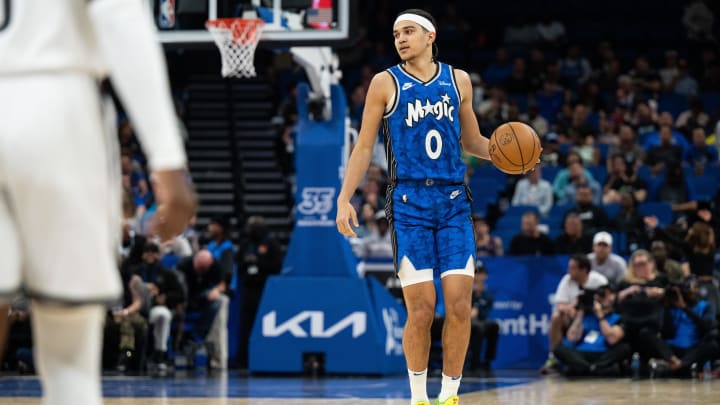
(38, 36)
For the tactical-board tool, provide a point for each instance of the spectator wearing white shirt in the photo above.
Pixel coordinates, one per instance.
(378, 244)
(534, 190)
(603, 261)
(579, 276)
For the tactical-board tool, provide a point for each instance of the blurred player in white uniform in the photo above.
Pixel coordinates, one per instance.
(59, 170)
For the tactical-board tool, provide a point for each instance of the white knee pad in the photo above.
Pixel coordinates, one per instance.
(68, 341)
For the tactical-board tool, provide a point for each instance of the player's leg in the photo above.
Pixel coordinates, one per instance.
(415, 260)
(456, 256)
(67, 351)
(66, 208)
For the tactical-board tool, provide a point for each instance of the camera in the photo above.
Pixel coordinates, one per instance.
(586, 300)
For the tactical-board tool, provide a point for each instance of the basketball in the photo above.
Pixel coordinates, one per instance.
(514, 148)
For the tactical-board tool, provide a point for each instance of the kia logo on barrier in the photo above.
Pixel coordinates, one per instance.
(316, 204)
(270, 328)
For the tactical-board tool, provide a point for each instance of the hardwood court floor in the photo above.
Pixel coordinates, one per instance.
(513, 389)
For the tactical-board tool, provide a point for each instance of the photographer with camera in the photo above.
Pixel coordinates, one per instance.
(640, 302)
(690, 328)
(578, 276)
(593, 343)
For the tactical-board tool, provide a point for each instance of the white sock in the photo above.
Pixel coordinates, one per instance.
(449, 387)
(418, 386)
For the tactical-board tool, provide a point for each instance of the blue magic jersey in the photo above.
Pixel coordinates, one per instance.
(422, 127)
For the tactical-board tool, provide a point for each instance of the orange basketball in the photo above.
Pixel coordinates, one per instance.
(515, 148)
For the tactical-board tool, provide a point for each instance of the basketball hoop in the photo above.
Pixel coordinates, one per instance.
(237, 39)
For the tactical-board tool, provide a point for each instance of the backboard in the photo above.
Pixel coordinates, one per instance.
(287, 22)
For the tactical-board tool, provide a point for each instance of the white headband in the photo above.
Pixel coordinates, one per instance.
(420, 20)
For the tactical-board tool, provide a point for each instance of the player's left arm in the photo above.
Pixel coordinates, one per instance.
(472, 140)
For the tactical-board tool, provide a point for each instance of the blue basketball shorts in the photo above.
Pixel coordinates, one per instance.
(432, 230)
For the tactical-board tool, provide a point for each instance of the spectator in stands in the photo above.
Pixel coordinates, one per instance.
(205, 291)
(530, 241)
(535, 120)
(608, 77)
(683, 83)
(135, 178)
(485, 244)
(622, 178)
(498, 70)
(690, 328)
(493, 111)
(630, 222)
(220, 245)
(593, 343)
(694, 116)
(482, 328)
(671, 187)
(698, 247)
(669, 71)
(367, 223)
(646, 81)
(593, 216)
(535, 191)
(633, 153)
(191, 235)
(163, 294)
(575, 68)
(518, 82)
(378, 244)
(259, 257)
(552, 155)
(664, 265)
(579, 276)
(699, 153)
(18, 351)
(610, 265)
(578, 180)
(572, 240)
(131, 324)
(667, 151)
(563, 176)
(644, 121)
(640, 304)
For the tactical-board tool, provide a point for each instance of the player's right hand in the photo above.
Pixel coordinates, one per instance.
(346, 212)
(176, 202)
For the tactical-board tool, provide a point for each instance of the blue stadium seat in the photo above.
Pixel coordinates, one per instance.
(559, 210)
(704, 185)
(661, 210)
(521, 100)
(604, 148)
(711, 103)
(673, 103)
(599, 172)
(612, 210)
(519, 210)
(509, 223)
(549, 172)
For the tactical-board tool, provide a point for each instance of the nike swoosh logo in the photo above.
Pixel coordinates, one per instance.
(407, 86)
(418, 373)
(454, 194)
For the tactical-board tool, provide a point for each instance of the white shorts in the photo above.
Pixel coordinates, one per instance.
(59, 190)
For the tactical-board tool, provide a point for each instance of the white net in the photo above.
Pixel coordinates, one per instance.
(237, 39)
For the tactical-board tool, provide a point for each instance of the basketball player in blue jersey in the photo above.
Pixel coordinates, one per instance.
(425, 108)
